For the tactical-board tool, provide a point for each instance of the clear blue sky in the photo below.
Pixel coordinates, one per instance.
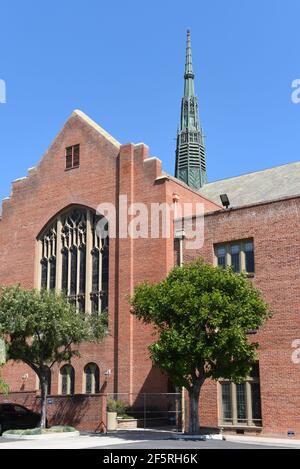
(122, 63)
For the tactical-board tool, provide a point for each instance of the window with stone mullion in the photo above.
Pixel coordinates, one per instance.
(48, 259)
(77, 233)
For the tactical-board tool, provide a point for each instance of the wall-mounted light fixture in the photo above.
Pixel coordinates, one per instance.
(107, 374)
(225, 200)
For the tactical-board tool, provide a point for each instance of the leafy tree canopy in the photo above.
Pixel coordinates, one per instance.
(42, 327)
(202, 314)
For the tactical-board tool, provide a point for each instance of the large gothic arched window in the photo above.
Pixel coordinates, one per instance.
(74, 258)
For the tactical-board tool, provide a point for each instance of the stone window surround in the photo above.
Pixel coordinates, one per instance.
(70, 385)
(95, 386)
(227, 246)
(235, 423)
(89, 294)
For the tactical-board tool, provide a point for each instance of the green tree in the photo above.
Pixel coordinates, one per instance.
(202, 315)
(4, 389)
(42, 328)
(3, 386)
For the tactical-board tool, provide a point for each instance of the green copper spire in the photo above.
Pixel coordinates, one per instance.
(190, 151)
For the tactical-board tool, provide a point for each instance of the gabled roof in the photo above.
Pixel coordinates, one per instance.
(261, 186)
(97, 127)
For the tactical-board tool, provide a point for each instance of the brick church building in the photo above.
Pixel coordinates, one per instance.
(48, 239)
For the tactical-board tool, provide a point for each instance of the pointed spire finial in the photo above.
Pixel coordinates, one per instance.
(188, 62)
(190, 152)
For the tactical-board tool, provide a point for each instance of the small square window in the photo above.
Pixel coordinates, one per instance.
(72, 157)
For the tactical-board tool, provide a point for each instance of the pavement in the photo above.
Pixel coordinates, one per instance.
(149, 440)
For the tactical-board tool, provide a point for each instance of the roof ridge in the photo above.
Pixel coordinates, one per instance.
(251, 172)
(97, 127)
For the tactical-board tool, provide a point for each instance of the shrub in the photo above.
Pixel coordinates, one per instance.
(61, 429)
(40, 431)
(126, 417)
(29, 431)
(117, 406)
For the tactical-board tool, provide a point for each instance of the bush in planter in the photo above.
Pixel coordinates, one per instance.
(61, 429)
(117, 406)
(126, 417)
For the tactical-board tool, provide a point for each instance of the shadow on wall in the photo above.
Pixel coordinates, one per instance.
(156, 405)
(68, 410)
(80, 411)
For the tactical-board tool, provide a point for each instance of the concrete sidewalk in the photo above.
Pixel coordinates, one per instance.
(264, 441)
(135, 439)
(80, 442)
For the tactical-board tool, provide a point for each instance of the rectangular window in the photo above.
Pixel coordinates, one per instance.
(226, 402)
(239, 255)
(256, 404)
(44, 279)
(105, 270)
(73, 157)
(95, 304)
(53, 274)
(221, 255)
(82, 270)
(69, 158)
(241, 403)
(65, 268)
(249, 254)
(95, 273)
(235, 258)
(74, 272)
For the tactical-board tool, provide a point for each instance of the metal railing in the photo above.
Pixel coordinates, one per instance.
(151, 410)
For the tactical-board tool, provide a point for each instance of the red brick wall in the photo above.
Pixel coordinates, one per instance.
(275, 230)
(80, 411)
(34, 201)
(106, 171)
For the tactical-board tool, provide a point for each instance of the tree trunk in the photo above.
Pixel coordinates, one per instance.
(194, 394)
(44, 390)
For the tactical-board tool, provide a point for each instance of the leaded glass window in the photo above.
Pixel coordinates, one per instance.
(72, 157)
(221, 255)
(239, 255)
(73, 288)
(44, 277)
(249, 253)
(65, 270)
(235, 258)
(67, 380)
(92, 378)
(241, 403)
(48, 258)
(75, 259)
(52, 273)
(226, 401)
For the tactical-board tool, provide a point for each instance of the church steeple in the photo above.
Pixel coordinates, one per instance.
(190, 151)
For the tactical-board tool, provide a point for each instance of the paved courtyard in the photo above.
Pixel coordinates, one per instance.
(144, 440)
